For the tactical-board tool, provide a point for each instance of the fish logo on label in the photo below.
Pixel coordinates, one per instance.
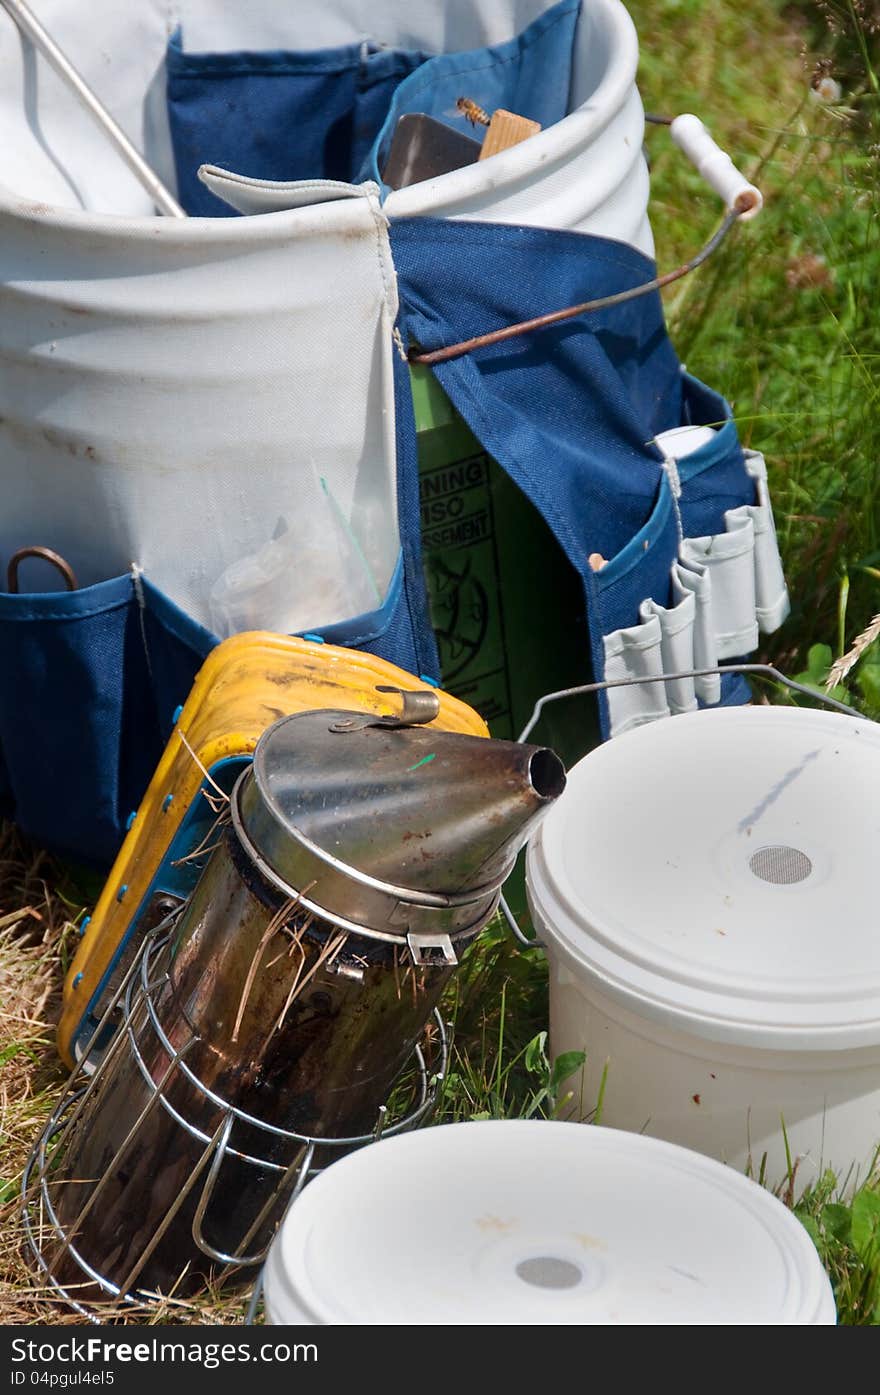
(459, 614)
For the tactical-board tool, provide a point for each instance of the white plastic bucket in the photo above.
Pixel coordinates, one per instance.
(537, 1223)
(166, 386)
(705, 889)
(585, 172)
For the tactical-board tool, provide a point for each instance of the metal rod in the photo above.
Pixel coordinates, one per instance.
(766, 670)
(497, 336)
(251, 1314)
(31, 27)
(514, 929)
(108, 1172)
(302, 1160)
(184, 1192)
(112, 1050)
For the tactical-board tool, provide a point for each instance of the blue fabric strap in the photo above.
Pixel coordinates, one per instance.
(570, 412)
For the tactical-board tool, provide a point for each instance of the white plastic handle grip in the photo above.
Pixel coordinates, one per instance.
(716, 167)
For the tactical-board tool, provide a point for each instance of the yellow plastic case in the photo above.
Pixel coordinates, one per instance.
(245, 685)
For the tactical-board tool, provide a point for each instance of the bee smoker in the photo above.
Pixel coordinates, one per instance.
(264, 1027)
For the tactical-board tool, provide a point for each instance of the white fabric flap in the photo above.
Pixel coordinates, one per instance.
(174, 405)
(694, 579)
(270, 196)
(730, 558)
(635, 653)
(676, 648)
(771, 593)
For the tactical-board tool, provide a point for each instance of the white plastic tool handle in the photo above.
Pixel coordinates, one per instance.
(716, 167)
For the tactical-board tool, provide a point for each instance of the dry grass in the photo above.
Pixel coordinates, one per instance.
(39, 910)
(36, 925)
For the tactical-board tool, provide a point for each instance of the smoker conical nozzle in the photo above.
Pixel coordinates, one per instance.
(392, 829)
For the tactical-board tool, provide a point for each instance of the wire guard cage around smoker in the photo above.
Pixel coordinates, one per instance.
(358, 857)
(49, 1241)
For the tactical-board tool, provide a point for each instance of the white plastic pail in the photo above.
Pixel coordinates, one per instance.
(169, 389)
(705, 889)
(535, 1223)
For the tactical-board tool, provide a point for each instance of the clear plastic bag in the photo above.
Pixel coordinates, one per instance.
(312, 573)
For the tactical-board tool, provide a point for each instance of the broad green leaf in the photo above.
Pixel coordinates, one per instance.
(536, 1053)
(819, 661)
(837, 1221)
(810, 1226)
(565, 1065)
(869, 683)
(865, 1234)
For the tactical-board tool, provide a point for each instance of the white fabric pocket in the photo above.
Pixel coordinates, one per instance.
(772, 605)
(730, 559)
(693, 579)
(635, 653)
(676, 648)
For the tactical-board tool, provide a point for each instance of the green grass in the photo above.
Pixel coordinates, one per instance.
(783, 322)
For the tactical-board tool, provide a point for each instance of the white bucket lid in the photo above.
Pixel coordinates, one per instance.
(716, 871)
(532, 1222)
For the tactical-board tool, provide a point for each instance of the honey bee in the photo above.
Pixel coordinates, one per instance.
(475, 115)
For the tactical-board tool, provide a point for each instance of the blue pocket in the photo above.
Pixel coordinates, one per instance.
(529, 75)
(77, 718)
(89, 682)
(277, 115)
(331, 113)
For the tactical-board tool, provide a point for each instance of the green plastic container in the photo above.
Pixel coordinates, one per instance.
(507, 607)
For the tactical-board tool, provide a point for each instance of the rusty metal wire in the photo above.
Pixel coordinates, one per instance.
(554, 317)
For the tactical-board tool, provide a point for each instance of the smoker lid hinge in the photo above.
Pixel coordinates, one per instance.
(420, 706)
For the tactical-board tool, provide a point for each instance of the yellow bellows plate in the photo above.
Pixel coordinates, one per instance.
(246, 683)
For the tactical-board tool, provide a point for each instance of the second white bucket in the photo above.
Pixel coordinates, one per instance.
(706, 891)
(529, 1222)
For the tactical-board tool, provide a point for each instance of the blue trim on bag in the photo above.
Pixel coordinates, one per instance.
(634, 551)
(98, 599)
(705, 456)
(365, 628)
(409, 518)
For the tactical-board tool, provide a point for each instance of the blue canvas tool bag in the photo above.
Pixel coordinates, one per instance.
(212, 399)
